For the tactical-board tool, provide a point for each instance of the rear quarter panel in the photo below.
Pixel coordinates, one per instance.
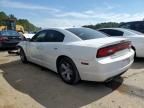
(80, 54)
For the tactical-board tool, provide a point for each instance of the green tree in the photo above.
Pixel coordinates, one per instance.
(24, 22)
(27, 25)
(3, 16)
(103, 25)
(12, 16)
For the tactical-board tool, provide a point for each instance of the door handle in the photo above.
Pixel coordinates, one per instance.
(55, 48)
(39, 47)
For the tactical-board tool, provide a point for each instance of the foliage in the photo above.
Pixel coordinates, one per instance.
(103, 25)
(24, 22)
(3, 16)
(12, 16)
(32, 28)
(27, 25)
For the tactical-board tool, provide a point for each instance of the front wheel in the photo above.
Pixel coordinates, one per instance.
(22, 56)
(68, 71)
(134, 51)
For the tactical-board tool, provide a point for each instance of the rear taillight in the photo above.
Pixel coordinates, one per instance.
(109, 50)
(3, 39)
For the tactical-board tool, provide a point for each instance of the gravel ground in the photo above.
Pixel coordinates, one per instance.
(31, 86)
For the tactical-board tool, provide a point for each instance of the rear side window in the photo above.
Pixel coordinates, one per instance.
(54, 36)
(86, 33)
(39, 37)
(113, 32)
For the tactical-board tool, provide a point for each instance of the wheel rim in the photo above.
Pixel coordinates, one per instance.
(66, 71)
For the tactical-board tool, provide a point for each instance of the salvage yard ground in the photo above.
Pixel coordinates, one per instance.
(31, 86)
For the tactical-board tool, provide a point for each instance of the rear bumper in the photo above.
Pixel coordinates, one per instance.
(107, 74)
(111, 78)
(8, 45)
(103, 69)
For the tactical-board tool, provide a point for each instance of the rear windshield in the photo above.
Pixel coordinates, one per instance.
(9, 33)
(134, 32)
(86, 33)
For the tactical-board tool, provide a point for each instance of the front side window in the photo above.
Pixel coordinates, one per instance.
(54, 36)
(39, 37)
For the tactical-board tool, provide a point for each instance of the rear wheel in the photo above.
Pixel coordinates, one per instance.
(68, 71)
(134, 51)
(22, 56)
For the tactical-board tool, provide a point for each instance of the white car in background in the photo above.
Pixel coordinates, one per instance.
(28, 35)
(135, 37)
(78, 54)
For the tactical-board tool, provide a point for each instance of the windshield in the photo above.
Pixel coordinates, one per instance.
(86, 33)
(9, 33)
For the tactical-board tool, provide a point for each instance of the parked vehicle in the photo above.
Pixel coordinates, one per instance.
(9, 39)
(135, 37)
(134, 25)
(28, 35)
(78, 54)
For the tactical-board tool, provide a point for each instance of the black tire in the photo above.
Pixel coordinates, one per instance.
(18, 51)
(134, 51)
(23, 56)
(9, 52)
(69, 74)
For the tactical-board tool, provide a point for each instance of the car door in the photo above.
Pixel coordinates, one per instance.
(36, 47)
(52, 48)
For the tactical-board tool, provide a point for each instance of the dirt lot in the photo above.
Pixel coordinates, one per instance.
(31, 86)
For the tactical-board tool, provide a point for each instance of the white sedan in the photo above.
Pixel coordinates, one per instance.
(135, 37)
(78, 54)
(28, 35)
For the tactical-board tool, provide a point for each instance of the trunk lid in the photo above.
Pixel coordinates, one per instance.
(12, 39)
(100, 42)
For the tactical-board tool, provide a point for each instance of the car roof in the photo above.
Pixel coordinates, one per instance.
(71, 36)
(64, 29)
(114, 28)
(61, 28)
(1, 31)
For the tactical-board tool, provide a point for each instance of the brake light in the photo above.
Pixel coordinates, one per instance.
(109, 50)
(3, 39)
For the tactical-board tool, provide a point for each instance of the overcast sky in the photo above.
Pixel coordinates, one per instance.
(65, 13)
